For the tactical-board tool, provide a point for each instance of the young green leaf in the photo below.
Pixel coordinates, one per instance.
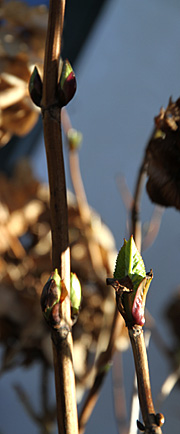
(131, 284)
(130, 263)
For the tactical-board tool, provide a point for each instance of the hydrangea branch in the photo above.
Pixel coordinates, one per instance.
(131, 283)
(51, 113)
(135, 214)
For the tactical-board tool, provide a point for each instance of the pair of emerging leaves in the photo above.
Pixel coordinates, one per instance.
(131, 283)
(66, 87)
(54, 293)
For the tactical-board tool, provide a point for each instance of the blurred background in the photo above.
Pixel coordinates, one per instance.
(127, 64)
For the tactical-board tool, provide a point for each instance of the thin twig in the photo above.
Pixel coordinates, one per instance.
(127, 199)
(119, 393)
(135, 407)
(45, 419)
(136, 223)
(85, 213)
(101, 369)
(136, 332)
(157, 337)
(133, 207)
(27, 404)
(151, 421)
(143, 380)
(44, 386)
(83, 206)
(153, 229)
(62, 348)
(168, 386)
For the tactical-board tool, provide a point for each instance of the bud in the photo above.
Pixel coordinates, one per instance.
(35, 87)
(160, 419)
(75, 296)
(54, 292)
(67, 84)
(140, 426)
(131, 284)
(74, 139)
(138, 306)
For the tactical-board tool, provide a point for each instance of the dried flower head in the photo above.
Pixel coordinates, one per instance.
(163, 158)
(22, 39)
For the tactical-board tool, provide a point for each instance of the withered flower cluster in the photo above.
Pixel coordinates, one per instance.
(25, 265)
(162, 157)
(22, 41)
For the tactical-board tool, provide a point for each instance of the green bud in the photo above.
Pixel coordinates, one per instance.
(75, 295)
(74, 139)
(131, 284)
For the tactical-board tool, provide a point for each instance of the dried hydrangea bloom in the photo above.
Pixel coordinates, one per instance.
(22, 40)
(163, 158)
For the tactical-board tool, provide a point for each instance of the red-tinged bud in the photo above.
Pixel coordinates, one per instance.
(67, 84)
(50, 296)
(35, 87)
(139, 300)
(160, 419)
(131, 301)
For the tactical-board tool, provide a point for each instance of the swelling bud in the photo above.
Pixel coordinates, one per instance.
(67, 84)
(35, 87)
